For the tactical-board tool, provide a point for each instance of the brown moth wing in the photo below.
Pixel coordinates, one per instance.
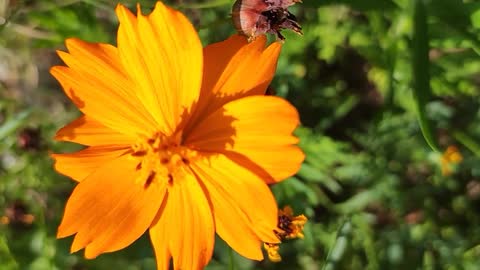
(257, 17)
(245, 14)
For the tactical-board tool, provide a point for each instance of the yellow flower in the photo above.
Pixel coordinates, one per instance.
(288, 227)
(180, 141)
(450, 157)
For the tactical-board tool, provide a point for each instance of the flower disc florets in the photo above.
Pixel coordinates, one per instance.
(159, 157)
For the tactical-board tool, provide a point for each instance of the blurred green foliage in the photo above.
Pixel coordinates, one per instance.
(367, 77)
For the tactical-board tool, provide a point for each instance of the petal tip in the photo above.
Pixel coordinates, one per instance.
(90, 253)
(55, 69)
(71, 41)
(61, 233)
(159, 5)
(122, 12)
(119, 7)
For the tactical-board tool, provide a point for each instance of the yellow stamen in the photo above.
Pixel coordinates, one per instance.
(159, 158)
(272, 251)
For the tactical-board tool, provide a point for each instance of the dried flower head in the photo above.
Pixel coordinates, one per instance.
(288, 227)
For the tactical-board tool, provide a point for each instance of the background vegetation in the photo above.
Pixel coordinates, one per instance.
(380, 85)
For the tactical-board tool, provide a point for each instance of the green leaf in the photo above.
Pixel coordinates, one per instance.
(6, 259)
(467, 141)
(421, 72)
(340, 246)
(314, 175)
(359, 201)
(475, 17)
(11, 125)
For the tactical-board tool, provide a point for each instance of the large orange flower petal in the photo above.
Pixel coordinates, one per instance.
(81, 164)
(159, 236)
(87, 131)
(109, 210)
(187, 218)
(164, 58)
(258, 127)
(234, 69)
(242, 202)
(95, 81)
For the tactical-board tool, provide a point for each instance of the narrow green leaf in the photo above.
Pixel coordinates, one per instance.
(12, 124)
(420, 68)
(358, 202)
(467, 141)
(315, 175)
(340, 246)
(391, 62)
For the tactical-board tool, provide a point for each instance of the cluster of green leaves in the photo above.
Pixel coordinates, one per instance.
(382, 87)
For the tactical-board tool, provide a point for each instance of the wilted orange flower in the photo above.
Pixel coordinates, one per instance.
(180, 141)
(288, 227)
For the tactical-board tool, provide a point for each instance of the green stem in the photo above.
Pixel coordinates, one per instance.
(232, 259)
(339, 247)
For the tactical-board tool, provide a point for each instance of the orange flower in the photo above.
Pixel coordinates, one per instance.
(179, 141)
(449, 158)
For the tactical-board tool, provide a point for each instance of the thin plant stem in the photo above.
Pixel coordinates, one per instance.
(232, 259)
(340, 246)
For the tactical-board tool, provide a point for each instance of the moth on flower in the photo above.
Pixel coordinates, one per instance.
(253, 18)
(180, 141)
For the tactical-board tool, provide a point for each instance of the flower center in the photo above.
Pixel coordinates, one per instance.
(159, 158)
